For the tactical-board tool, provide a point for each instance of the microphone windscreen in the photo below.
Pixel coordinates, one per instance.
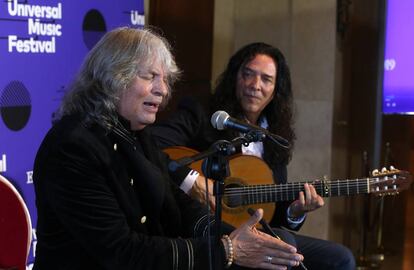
(218, 119)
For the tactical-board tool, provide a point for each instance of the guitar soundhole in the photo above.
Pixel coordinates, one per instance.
(232, 198)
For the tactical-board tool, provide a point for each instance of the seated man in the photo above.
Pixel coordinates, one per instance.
(104, 196)
(256, 89)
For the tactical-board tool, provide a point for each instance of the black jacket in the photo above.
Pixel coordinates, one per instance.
(105, 201)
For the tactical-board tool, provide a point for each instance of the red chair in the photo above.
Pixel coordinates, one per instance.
(15, 228)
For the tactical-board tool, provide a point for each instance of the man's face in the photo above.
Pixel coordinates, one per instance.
(255, 85)
(140, 102)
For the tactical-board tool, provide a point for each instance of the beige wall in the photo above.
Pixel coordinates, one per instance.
(305, 31)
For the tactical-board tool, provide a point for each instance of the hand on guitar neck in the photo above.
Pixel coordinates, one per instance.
(308, 201)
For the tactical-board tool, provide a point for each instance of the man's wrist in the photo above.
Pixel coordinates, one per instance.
(228, 249)
(293, 218)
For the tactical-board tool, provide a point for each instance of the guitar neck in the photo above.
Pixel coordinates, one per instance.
(254, 194)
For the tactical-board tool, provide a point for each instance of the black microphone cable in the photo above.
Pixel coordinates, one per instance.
(210, 257)
(280, 141)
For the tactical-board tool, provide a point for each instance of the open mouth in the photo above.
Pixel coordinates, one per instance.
(151, 104)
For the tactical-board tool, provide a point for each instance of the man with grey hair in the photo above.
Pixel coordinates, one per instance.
(104, 196)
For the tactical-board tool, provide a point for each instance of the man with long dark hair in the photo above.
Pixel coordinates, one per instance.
(256, 88)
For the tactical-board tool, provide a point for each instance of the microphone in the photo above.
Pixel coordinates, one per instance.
(221, 120)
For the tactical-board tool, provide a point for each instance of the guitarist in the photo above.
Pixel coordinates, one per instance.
(255, 88)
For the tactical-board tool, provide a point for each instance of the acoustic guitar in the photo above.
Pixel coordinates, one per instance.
(251, 183)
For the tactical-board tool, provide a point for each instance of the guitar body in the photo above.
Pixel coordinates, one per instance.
(250, 183)
(244, 170)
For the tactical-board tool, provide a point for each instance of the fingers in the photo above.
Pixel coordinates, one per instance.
(283, 257)
(315, 201)
(253, 248)
(278, 259)
(302, 198)
(198, 192)
(308, 193)
(211, 197)
(272, 257)
(254, 219)
(212, 202)
(273, 243)
(251, 254)
(309, 199)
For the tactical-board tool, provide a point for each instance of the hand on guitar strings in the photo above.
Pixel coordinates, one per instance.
(308, 201)
(256, 249)
(198, 192)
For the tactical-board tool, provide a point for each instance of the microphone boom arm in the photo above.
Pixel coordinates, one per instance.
(225, 148)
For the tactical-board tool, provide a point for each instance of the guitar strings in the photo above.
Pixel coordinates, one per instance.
(340, 183)
(336, 186)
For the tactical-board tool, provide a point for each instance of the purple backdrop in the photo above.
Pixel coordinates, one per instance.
(42, 44)
(398, 84)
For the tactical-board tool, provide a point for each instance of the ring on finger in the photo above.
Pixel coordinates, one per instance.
(269, 259)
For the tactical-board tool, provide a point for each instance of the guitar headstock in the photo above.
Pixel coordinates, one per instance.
(389, 181)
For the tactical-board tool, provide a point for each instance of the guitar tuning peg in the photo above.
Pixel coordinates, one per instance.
(392, 168)
(383, 170)
(375, 172)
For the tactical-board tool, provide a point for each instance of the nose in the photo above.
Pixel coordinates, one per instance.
(255, 82)
(161, 88)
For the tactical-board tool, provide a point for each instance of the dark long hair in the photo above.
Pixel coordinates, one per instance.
(279, 112)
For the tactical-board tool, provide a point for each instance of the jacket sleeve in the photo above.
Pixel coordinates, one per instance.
(74, 181)
(197, 223)
(177, 174)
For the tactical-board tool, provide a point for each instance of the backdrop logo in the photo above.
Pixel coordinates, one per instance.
(3, 163)
(41, 24)
(389, 64)
(94, 27)
(137, 19)
(29, 177)
(15, 105)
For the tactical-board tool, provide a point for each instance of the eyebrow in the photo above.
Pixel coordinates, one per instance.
(261, 73)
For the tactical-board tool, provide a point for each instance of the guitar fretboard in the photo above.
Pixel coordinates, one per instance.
(254, 194)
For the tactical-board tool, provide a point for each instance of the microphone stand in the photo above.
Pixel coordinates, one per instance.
(216, 167)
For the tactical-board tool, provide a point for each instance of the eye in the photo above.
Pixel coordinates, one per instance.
(247, 73)
(147, 75)
(268, 79)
